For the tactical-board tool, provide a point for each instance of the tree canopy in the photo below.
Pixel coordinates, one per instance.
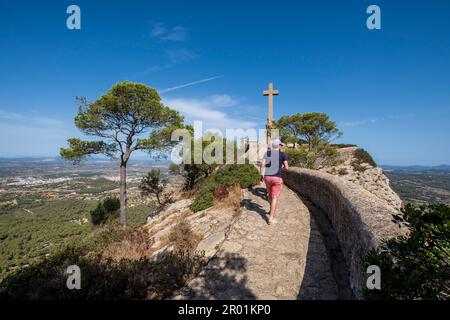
(120, 116)
(311, 127)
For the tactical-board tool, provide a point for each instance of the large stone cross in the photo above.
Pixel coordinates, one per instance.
(270, 93)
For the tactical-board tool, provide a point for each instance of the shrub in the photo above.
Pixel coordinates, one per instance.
(362, 156)
(343, 145)
(297, 157)
(415, 266)
(175, 168)
(105, 211)
(323, 155)
(111, 204)
(183, 237)
(154, 184)
(203, 200)
(245, 175)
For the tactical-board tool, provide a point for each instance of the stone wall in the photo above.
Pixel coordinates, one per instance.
(360, 219)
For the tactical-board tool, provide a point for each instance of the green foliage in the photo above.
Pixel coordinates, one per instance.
(245, 176)
(322, 155)
(175, 168)
(128, 110)
(313, 127)
(153, 183)
(415, 266)
(343, 145)
(105, 211)
(29, 232)
(79, 149)
(361, 156)
(204, 199)
(199, 168)
(111, 204)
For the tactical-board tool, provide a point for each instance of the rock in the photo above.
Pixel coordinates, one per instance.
(210, 244)
(372, 179)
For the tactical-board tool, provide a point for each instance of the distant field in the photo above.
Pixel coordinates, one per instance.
(428, 186)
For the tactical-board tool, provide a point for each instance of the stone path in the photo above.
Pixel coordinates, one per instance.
(288, 260)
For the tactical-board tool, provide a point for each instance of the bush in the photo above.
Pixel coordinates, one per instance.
(343, 145)
(154, 183)
(111, 204)
(415, 266)
(296, 157)
(184, 238)
(203, 200)
(105, 211)
(245, 175)
(323, 155)
(362, 156)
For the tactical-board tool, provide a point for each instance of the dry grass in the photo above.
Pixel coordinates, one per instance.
(232, 198)
(133, 246)
(183, 237)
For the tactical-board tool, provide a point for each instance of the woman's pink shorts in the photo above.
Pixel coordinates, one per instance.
(273, 185)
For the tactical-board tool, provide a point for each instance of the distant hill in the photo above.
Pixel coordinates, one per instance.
(415, 168)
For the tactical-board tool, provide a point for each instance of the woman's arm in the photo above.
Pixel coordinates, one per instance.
(285, 165)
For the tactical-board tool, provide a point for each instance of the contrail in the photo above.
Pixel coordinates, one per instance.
(189, 84)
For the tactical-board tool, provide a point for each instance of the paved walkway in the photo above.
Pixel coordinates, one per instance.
(288, 260)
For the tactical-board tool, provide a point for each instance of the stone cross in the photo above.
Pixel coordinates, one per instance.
(270, 93)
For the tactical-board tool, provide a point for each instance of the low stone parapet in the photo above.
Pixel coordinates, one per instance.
(360, 219)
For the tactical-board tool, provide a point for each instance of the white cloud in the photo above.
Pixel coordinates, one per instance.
(163, 32)
(48, 122)
(8, 115)
(204, 110)
(28, 135)
(224, 100)
(174, 57)
(356, 123)
(180, 55)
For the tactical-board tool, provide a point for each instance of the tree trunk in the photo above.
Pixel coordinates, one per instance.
(123, 194)
(157, 198)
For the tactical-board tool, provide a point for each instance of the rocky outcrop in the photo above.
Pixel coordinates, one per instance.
(209, 225)
(360, 219)
(365, 175)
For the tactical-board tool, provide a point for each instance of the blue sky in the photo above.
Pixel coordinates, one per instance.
(388, 89)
